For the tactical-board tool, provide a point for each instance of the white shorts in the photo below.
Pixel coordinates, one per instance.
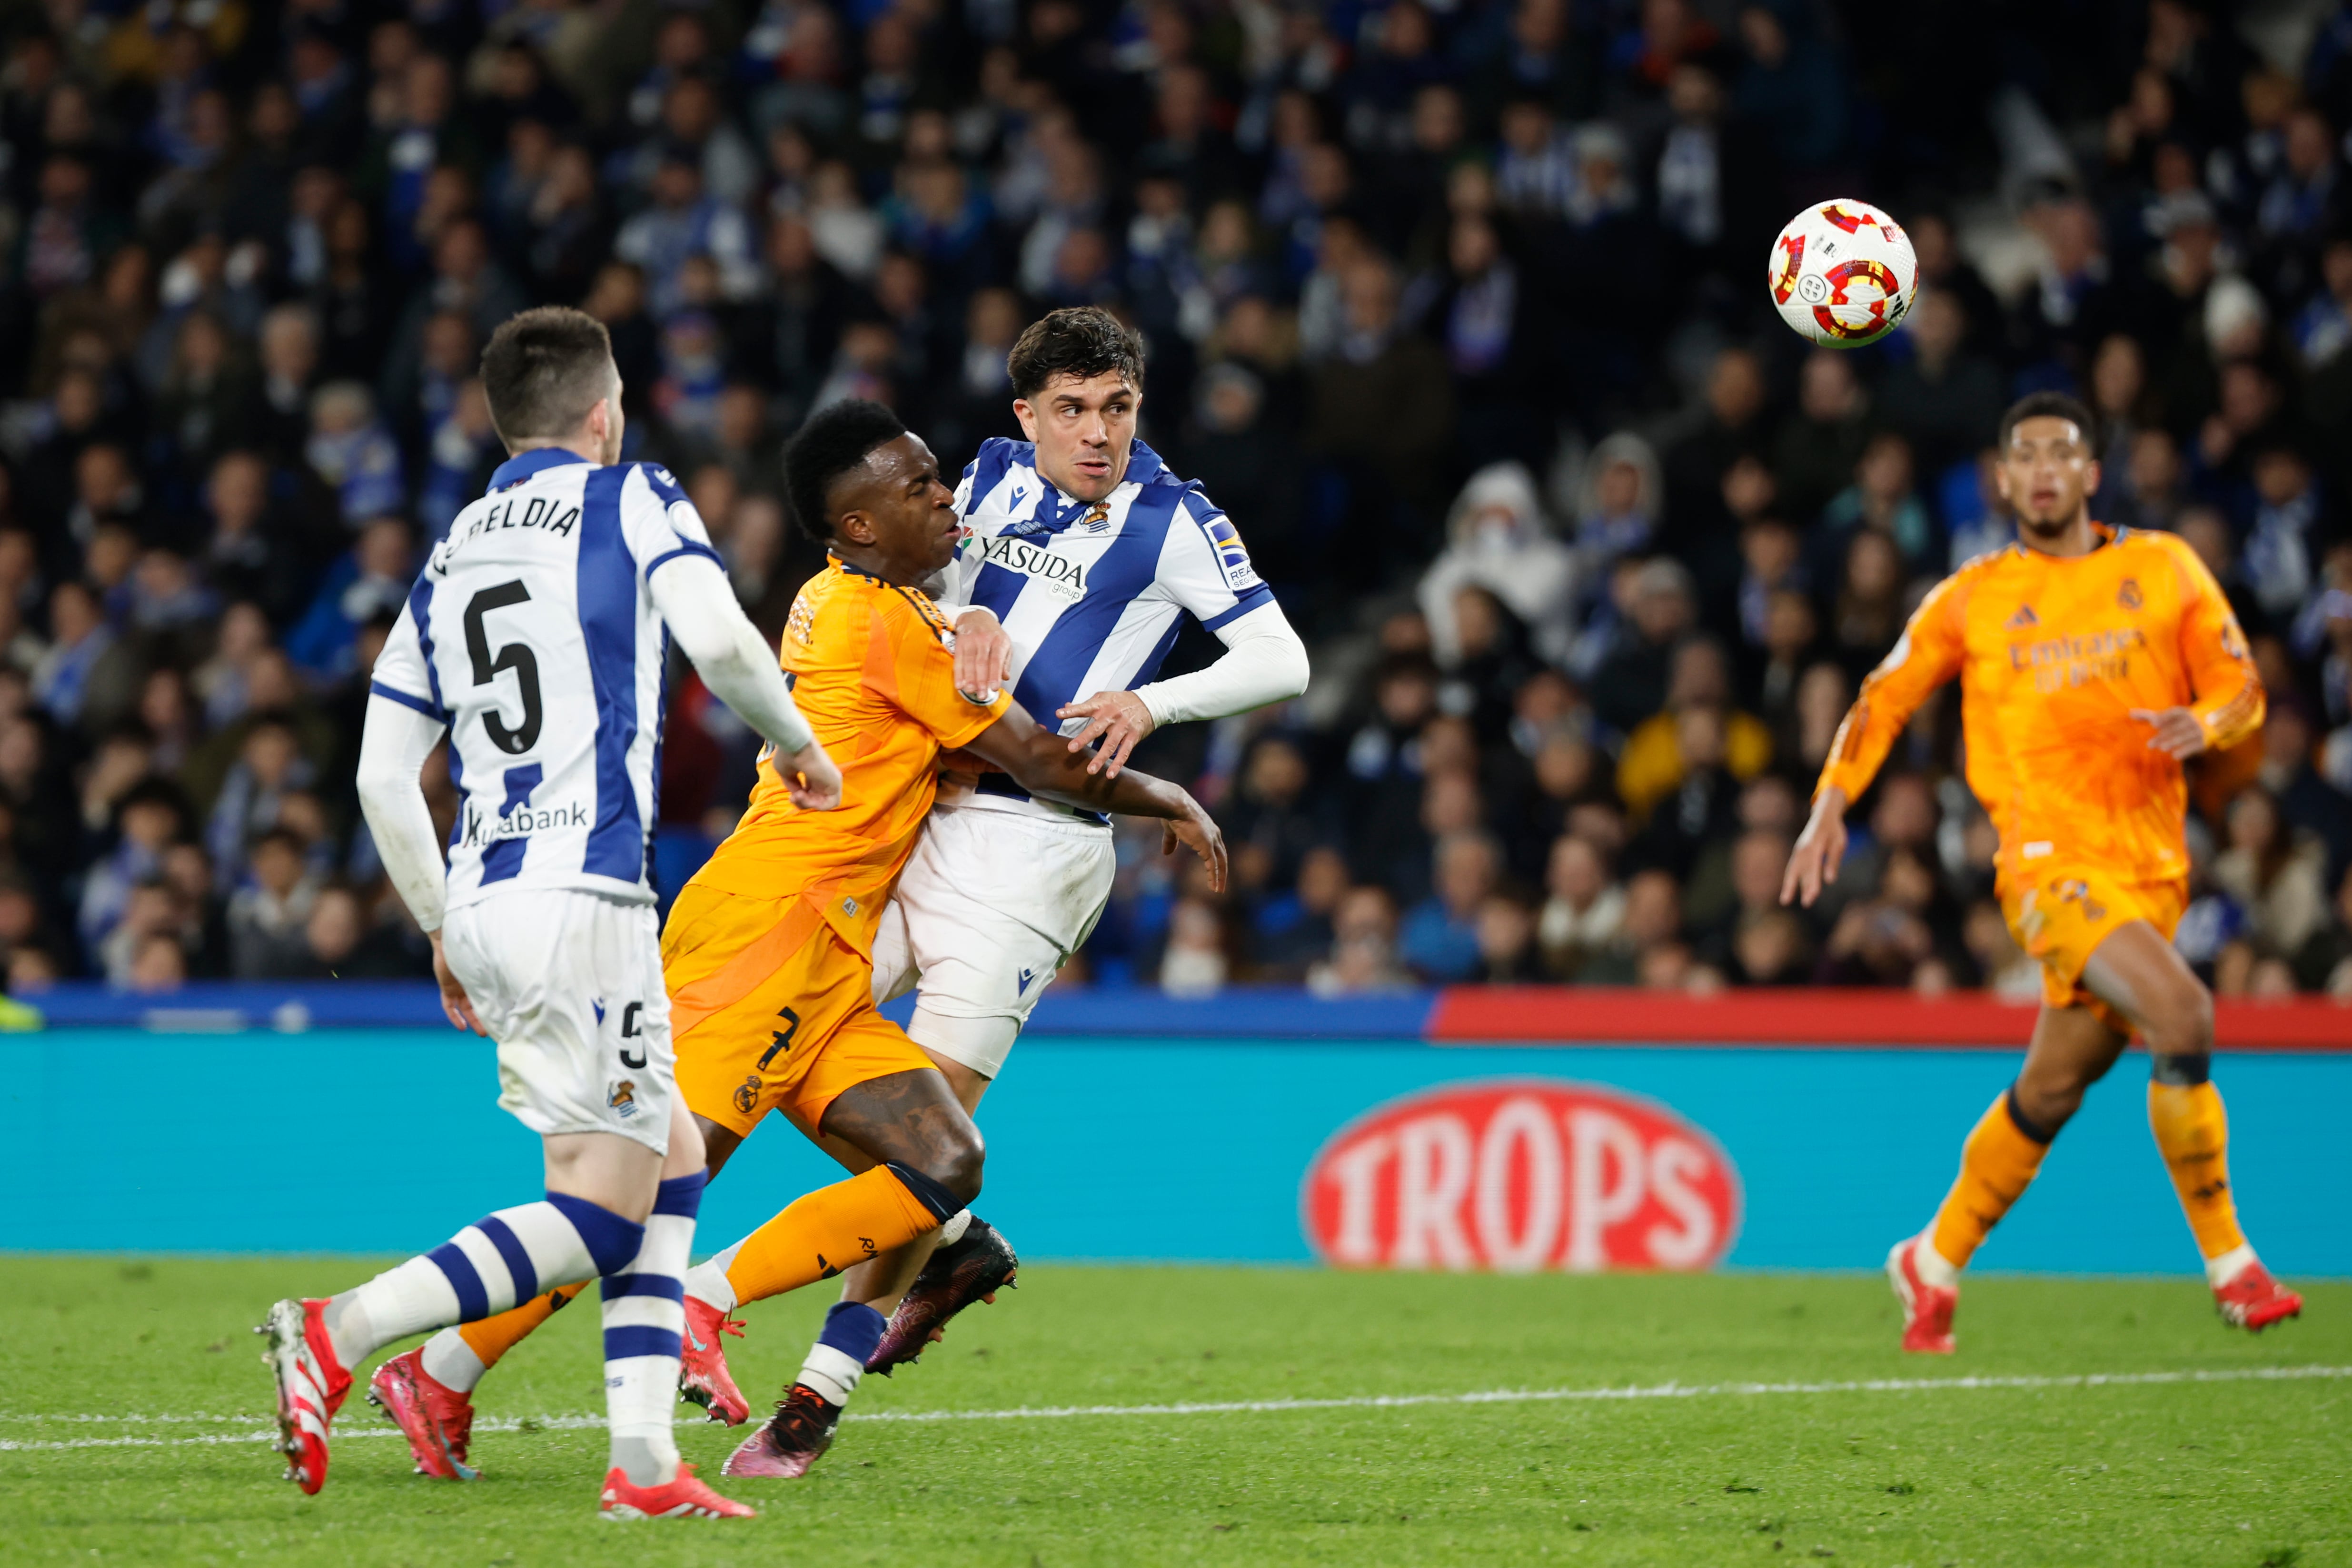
(570, 985)
(989, 906)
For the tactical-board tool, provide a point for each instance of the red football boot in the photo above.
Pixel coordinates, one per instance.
(702, 1375)
(786, 1446)
(1927, 1309)
(684, 1498)
(437, 1420)
(2253, 1301)
(311, 1384)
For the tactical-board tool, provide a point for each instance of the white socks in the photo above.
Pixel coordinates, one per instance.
(450, 1361)
(2221, 1270)
(644, 1318)
(707, 1280)
(1932, 1264)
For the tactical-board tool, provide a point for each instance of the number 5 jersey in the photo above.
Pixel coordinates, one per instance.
(532, 633)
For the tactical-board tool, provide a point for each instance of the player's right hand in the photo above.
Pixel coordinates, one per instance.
(811, 779)
(1199, 833)
(455, 1005)
(983, 654)
(1820, 848)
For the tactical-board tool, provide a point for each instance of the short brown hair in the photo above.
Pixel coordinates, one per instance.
(1081, 340)
(544, 370)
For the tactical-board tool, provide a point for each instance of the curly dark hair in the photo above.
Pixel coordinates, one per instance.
(2049, 405)
(835, 440)
(1081, 340)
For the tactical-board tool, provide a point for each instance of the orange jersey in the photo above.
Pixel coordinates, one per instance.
(872, 671)
(2052, 655)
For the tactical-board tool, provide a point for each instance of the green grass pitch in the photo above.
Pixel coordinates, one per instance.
(2241, 1469)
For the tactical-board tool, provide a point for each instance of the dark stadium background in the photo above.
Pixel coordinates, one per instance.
(1457, 309)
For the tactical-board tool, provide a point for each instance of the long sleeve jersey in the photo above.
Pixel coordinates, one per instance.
(2053, 654)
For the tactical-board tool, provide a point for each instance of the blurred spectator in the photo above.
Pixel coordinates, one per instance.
(1501, 541)
(1364, 949)
(351, 451)
(1815, 455)
(1629, 683)
(2273, 873)
(372, 577)
(1652, 766)
(268, 916)
(1585, 912)
(1439, 937)
(1194, 964)
(1295, 930)
(1491, 257)
(1647, 934)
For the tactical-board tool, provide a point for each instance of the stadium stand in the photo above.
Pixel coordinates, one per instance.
(1457, 309)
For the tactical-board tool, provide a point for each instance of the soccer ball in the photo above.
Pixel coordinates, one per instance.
(1843, 274)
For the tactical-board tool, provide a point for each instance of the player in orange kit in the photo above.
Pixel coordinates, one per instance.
(767, 954)
(2093, 662)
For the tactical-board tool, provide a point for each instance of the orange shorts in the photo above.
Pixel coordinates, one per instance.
(2063, 915)
(771, 1010)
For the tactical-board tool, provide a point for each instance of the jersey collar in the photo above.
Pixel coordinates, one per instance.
(1056, 512)
(2108, 534)
(538, 460)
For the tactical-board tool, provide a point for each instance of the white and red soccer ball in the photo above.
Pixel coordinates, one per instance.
(1843, 274)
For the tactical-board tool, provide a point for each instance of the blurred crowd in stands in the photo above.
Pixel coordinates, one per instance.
(1456, 306)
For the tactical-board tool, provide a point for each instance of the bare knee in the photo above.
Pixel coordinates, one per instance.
(2049, 1094)
(2180, 1021)
(954, 1159)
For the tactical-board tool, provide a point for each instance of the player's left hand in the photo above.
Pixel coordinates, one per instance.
(1199, 833)
(2178, 733)
(455, 1005)
(1117, 719)
(810, 778)
(983, 654)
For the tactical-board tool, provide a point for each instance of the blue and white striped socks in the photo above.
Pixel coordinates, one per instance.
(487, 1268)
(645, 1317)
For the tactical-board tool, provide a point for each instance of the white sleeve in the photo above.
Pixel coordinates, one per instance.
(1264, 662)
(1204, 566)
(394, 739)
(658, 522)
(401, 671)
(698, 604)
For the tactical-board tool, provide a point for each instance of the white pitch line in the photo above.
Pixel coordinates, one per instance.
(1275, 1406)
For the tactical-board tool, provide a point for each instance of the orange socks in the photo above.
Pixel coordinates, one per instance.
(490, 1338)
(2192, 1131)
(835, 1228)
(1997, 1164)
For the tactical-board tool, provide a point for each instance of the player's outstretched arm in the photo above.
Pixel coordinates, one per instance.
(1927, 655)
(1041, 764)
(694, 598)
(394, 740)
(1264, 661)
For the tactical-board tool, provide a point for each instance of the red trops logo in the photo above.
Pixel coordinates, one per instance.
(1521, 1175)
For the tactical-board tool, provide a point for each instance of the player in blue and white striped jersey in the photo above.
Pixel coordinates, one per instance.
(1082, 556)
(534, 641)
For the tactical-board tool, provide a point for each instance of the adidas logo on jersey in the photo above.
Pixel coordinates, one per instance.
(1062, 573)
(2024, 617)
